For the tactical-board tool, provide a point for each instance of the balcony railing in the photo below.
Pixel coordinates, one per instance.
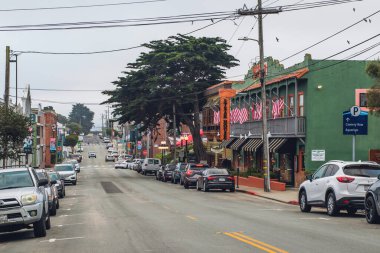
(284, 127)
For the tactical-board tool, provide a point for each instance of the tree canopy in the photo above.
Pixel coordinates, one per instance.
(174, 71)
(82, 115)
(62, 119)
(70, 141)
(373, 95)
(75, 128)
(13, 131)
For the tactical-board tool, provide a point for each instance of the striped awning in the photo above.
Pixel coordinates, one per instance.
(238, 144)
(227, 143)
(253, 144)
(275, 144)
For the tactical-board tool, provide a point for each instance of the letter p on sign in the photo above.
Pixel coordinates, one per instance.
(355, 111)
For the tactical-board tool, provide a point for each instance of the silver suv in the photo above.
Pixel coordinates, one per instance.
(23, 201)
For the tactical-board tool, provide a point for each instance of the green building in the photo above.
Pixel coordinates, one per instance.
(305, 105)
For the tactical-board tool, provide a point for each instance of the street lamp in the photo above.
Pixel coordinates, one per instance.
(186, 138)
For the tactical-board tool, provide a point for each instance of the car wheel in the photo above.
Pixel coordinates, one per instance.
(53, 210)
(352, 211)
(75, 182)
(186, 185)
(39, 227)
(332, 208)
(57, 204)
(303, 203)
(205, 189)
(370, 211)
(198, 188)
(48, 223)
(232, 189)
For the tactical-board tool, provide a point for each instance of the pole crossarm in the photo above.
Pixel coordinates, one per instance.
(254, 12)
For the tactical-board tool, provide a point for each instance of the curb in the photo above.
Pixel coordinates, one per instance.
(292, 202)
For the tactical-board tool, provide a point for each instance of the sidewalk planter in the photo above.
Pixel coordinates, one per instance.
(259, 183)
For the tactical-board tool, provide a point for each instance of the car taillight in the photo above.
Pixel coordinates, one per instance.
(231, 178)
(189, 172)
(211, 178)
(345, 179)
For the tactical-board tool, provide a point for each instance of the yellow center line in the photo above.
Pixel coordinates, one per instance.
(260, 242)
(192, 218)
(249, 242)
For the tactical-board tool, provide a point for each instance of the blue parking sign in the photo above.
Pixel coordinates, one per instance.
(355, 122)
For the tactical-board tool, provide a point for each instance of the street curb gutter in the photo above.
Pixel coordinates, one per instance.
(292, 202)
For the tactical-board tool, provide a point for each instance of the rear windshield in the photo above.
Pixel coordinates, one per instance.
(362, 170)
(64, 168)
(198, 166)
(15, 179)
(217, 172)
(53, 176)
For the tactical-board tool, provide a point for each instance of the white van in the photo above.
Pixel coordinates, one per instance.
(150, 165)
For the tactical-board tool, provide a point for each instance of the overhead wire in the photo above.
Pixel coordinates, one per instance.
(79, 6)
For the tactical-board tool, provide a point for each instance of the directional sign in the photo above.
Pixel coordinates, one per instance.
(33, 118)
(355, 122)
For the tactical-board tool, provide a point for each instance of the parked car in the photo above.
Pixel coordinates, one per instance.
(75, 164)
(60, 184)
(109, 145)
(91, 154)
(176, 174)
(151, 165)
(193, 171)
(115, 154)
(110, 158)
(51, 190)
(214, 178)
(136, 163)
(77, 157)
(160, 173)
(24, 201)
(168, 172)
(122, 164)
(372, 203)
(67, 172)
(338, 185)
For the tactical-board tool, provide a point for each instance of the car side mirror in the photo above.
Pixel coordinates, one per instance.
(53, 181)
(309, 177)
(43, 182)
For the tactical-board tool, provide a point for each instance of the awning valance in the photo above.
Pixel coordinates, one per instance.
(275, 144)
(227, 143)
(253, 144)
(238, 144)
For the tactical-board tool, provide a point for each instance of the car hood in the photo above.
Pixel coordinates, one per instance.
(16, 192)
(64, 174)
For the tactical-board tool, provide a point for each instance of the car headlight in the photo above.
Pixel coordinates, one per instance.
(28, 199)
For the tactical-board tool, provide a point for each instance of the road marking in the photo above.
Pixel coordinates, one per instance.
(319, 218)
(254, 242)
(192, 218)
(62, 239)
(67, 209)
(166, 207)
(73, 224)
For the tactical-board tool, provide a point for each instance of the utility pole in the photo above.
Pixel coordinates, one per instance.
(174, 135)
(102, 126)
(259, 11)
(7, 76)
(15, 61)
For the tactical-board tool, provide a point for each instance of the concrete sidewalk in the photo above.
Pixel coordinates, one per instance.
(290, 196)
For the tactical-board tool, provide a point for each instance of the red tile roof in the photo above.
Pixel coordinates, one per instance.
(296, 74)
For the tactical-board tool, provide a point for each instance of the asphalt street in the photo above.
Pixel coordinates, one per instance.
(121, 211)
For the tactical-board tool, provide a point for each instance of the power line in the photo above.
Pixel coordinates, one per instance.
(79, 6)
(331, 36)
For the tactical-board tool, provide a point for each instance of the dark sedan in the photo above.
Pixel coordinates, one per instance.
(176, 174)
(193, 171)
(168, 172)
(372, 203)
(214, 178)
(60, 183)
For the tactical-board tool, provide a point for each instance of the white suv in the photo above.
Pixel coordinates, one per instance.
(338, 185)
(151, 165)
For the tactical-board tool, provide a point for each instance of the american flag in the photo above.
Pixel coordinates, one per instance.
(216, 117)
(277, 106)
(243, 115)
(257, 111)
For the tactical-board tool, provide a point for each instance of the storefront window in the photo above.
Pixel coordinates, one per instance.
(291, 105)
(300, 104)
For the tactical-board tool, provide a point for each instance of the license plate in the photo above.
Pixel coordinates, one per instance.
(3, 218)
(222, 179)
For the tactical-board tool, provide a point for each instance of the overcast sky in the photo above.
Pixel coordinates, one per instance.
(295, 30)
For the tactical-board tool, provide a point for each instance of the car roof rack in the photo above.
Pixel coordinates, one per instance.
(337, 161)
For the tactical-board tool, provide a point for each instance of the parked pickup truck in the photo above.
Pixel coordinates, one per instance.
(23, 201)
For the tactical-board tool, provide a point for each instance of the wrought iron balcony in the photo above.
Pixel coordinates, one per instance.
(284, 127)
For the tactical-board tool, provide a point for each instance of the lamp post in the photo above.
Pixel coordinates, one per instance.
(186, 139)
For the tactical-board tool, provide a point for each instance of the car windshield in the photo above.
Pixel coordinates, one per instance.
(15, 179)
(217, 172)
(53, 176)
(64, 168)
(362, 170)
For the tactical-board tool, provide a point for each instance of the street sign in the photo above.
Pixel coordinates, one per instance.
(33, 118)
(355, 122)
(318, 155)
(139, 145)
